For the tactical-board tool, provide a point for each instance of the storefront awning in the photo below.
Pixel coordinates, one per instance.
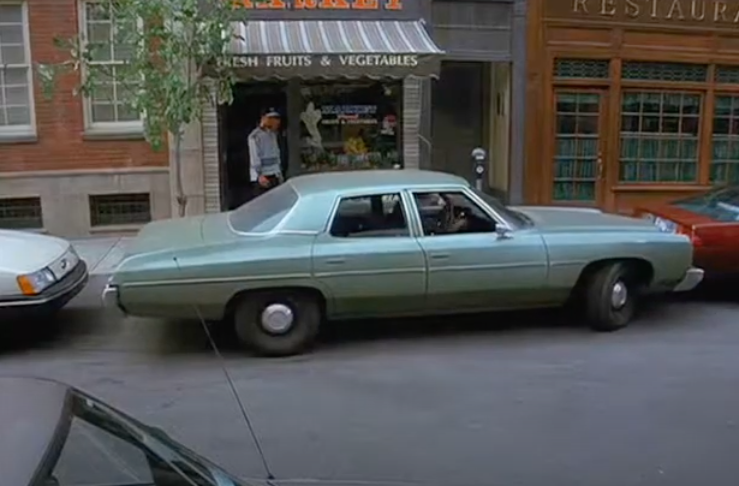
(266, 49)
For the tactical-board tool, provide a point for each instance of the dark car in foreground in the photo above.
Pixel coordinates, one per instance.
(711, 220)
(53, 434)
(56, 435)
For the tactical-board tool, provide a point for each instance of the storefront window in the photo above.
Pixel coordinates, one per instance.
(659, 137)
(353, 125)
(725, 150)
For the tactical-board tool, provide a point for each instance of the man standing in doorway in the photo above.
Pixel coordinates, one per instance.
(264, 153)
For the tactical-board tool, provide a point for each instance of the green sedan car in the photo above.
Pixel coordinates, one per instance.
(375, 244)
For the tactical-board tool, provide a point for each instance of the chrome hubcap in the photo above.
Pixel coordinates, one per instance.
(619, 295)
(277, 318)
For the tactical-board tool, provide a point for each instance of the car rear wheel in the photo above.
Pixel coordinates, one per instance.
(277, 323)
(610, 298)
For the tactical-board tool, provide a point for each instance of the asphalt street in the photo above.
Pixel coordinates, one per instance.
(500, 399)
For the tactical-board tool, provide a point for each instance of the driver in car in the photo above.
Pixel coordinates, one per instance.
(448, 220)
(454, 219)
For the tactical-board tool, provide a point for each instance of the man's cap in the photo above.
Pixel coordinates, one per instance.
(271, 113)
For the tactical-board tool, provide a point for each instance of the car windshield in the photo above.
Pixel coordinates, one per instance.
(263, 213)
(720, 204)
(104, 447)
(512, 217)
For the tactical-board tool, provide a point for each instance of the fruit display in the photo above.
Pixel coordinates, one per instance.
(355, 146)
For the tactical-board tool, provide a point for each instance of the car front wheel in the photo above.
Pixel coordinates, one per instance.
(610, 298)
(277, 323)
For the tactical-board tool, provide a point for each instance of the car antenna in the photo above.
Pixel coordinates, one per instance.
(224, 368)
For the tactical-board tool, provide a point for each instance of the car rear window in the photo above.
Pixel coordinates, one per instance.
(263, 213)
(720, 204)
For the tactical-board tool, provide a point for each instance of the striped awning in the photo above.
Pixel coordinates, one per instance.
(334, 48)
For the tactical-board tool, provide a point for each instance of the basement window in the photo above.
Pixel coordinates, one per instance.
(120, 209)
(21, 213)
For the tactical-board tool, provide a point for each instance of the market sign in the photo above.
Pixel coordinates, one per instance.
(285, 66)
(325, 61)
(318, 4)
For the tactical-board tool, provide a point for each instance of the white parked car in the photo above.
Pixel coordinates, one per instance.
(38, 274)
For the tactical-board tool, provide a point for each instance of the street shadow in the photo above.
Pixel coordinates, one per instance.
(64, 329)
(90, 329)
(190, 337)
(340, 334)
(716, 290)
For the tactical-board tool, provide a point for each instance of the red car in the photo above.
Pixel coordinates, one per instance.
(711, 220)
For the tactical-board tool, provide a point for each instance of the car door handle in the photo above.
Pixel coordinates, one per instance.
(439, 256)
(335, 261)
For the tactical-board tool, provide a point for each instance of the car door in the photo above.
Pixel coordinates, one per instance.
(477, 268)
(368, 258)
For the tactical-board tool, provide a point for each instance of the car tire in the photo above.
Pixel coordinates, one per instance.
(610, 298)
(277, 323)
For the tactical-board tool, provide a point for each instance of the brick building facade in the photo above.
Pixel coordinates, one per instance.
(72, 166)
(68, 166)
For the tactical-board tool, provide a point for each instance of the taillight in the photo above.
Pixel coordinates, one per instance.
(690, 233)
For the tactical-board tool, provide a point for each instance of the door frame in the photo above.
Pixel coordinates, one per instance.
(603, 172)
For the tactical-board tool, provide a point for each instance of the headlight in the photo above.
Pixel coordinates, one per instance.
(664, 225)
(34, 283)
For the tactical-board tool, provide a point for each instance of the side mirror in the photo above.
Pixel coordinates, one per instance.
(502, 232)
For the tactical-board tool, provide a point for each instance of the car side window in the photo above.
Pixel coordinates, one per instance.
(449, 213)
(99, 449)
(377, 215)
(91, 455)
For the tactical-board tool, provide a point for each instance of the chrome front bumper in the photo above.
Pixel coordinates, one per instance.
(692, 278)
(111, 299)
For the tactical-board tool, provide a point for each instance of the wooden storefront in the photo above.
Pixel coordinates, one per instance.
(630, 100)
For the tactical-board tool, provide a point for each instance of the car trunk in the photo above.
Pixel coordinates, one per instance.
(168, 234)
(182, 233)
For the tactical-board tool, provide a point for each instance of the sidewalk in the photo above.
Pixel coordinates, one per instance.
(102, 254)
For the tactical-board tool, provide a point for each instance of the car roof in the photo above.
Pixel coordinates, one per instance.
(372, 179)
(31, 410)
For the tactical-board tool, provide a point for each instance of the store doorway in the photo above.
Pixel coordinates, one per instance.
(575, 168)
(238, 120)
(457, 123)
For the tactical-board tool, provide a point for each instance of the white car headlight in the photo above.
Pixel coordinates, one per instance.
(35, 283)
(664, 225)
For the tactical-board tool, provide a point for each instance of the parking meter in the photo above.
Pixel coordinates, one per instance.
(478, 160)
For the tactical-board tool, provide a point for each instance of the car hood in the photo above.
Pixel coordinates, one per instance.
(180, 233)
(24, 252)
(582, 219)
(675, 213)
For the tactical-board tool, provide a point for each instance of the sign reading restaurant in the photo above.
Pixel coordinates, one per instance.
(325, 61)
(318, 4)
(688, 11)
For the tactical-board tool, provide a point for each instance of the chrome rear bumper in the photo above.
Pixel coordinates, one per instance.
(111, 299)
(692, 278)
